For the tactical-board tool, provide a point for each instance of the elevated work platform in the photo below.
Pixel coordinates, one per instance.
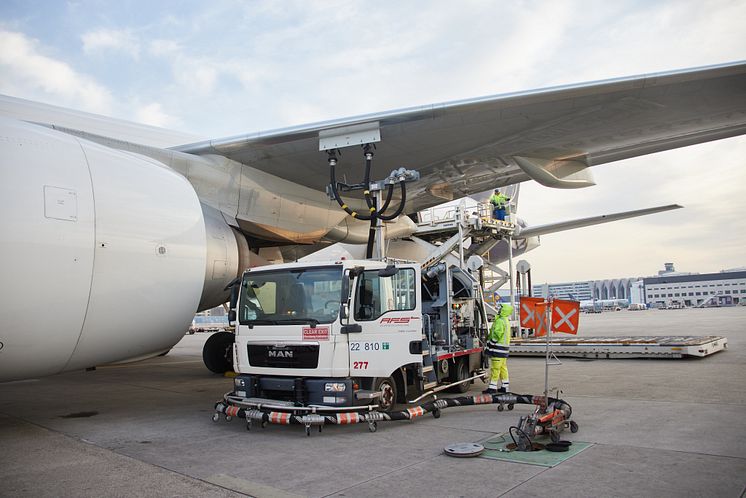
(621, 347)
(439, 224)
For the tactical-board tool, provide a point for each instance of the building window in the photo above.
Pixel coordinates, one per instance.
(670, 295)
(691, 293)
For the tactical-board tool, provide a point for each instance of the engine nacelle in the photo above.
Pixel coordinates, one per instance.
(228, 255)
(104, 253)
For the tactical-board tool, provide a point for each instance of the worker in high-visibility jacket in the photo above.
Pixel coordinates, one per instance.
(498, 350)
(499, 201)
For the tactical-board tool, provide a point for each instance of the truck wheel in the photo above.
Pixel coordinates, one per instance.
(387, 387)
(461, 372)
(217, 353)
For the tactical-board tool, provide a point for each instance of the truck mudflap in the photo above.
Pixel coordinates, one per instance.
(261, 413)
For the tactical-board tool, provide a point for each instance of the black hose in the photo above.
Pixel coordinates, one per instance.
(375, 212)
(366, 181)
(389, 195)
(339, 200)
(371, 234)
(290, 416)
(510, 431)
(401, 204)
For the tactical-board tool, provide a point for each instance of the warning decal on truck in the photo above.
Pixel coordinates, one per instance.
(316, 334)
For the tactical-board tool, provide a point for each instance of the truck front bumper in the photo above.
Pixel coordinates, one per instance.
(333, 392)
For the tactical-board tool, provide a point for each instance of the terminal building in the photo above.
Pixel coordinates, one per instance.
(724, 288)
(617, 288)
(669, 289)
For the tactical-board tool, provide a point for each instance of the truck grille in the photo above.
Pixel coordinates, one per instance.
(284, 356)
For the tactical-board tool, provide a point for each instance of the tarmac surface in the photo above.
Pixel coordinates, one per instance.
(658, 427)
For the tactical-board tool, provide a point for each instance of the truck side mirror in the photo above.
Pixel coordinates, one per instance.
(234, 297)
(345, 289)
(232, 316)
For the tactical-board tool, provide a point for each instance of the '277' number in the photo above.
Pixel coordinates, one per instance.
(359, 365)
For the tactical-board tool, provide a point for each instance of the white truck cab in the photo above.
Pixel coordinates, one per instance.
(331, 334)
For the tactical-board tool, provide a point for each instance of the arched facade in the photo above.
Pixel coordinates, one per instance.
(618, 288)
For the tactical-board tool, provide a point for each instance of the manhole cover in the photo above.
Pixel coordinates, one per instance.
(464, 450)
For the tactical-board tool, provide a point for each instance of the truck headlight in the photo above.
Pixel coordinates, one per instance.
(335, 387)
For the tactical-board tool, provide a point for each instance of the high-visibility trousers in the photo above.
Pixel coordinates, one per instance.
(498, 372)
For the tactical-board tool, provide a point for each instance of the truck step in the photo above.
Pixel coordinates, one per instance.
(427, 368)
(430, 385)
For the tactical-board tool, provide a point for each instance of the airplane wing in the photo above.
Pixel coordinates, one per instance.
(551, 135)
(531, 231)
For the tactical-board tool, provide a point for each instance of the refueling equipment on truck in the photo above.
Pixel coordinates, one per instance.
(343, 341)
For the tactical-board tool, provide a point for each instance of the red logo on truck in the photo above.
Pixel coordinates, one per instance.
(316, 334)
(397, 321)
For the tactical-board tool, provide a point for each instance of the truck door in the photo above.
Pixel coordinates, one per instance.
(387, 308)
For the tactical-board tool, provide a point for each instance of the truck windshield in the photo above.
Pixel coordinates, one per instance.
(296, 296)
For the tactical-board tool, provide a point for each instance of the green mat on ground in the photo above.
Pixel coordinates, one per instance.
(495, 448)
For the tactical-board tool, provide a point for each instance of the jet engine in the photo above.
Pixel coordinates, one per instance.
(106, 255)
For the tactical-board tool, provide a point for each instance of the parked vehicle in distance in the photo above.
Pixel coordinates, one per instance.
(208, 324)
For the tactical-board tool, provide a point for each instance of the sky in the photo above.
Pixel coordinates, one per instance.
(222, 68)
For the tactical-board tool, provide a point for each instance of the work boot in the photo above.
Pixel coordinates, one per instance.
(502, 390)
(490, 390)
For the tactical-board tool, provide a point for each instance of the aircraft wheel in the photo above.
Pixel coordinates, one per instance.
(217, 353)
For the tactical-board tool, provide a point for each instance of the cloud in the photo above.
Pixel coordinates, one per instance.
(163, 48)
(153, 114)
(117, 40)
(28, 73)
